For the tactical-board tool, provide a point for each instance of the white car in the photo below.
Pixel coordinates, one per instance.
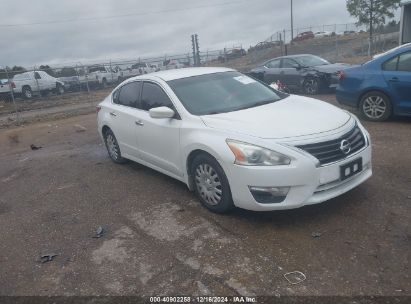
(322, 34)
(28, 83)
(235, 141)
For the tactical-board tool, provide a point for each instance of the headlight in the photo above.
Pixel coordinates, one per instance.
(250, 155)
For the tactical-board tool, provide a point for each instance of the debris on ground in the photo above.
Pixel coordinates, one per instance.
(34, 147)
(47, 257)
(65, 187)
(295, 277)
(316, 235)
(99, 233)
(80, 128)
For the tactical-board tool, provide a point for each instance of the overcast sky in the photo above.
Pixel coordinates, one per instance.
(146, 27)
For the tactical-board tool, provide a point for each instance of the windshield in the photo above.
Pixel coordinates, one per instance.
(310, 61)
(222, 92)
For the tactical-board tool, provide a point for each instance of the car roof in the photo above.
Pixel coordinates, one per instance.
(182, 73)
(292, 56)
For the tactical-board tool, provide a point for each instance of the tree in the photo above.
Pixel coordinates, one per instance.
(372, 12)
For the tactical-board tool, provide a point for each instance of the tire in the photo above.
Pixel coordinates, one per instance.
(311, 86)
(113, 148)
(207, 172)
(375, 106)
(27, 92)
(60, 89)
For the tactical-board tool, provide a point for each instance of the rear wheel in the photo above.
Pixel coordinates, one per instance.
(113, 148)
(376, 106)
(27, 92)
(211, 184)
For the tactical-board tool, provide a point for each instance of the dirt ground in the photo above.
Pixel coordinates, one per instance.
(158, 240)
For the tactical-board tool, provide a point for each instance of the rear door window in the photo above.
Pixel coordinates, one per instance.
(128, 95)
(391, 65)
(404, 63)
(273, 64)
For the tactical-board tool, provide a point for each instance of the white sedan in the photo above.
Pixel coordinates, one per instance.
(235, 141)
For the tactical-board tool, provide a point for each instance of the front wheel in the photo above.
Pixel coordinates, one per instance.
(60, 89)
(113, 148)
(376, 106)
(311, 86)
(211, 184)
(27, 92)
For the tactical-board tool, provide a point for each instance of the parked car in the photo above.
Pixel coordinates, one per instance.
(100, 75)
(5, 89)
(144, 67)
(232, 54)
(307, 73)
(380, 87)
(304, 36)
(264, 45)
(172, 64)
(234, 140)
(36, 82)
(322, 34)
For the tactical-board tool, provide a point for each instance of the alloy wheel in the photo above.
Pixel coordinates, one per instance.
(374, 107)
(311, 86)
(208, 184)
(112, 146)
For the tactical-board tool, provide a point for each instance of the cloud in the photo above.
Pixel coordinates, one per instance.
(219, 24)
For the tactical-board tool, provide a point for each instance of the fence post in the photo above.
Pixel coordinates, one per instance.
(12, 96)
(336, 48)
(37, 81)
(86, 76)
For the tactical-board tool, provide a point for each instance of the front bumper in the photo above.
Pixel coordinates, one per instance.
(309, 184)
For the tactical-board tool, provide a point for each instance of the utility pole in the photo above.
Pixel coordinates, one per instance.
(193, 44)
(196, 50)
(292, 22)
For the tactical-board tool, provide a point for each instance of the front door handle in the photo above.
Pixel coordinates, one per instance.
(394, 79)
(113, 114)
(139, 123)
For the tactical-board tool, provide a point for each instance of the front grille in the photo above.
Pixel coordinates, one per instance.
(329, 151)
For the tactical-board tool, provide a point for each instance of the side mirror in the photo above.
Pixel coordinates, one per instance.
(161, 112)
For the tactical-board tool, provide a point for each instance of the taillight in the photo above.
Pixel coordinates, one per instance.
(13, 85)
(98, 108)
(341, 75)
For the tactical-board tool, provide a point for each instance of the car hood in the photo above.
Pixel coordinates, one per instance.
(331, 68)
(293, 116)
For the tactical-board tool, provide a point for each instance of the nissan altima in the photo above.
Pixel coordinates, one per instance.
(235, 141)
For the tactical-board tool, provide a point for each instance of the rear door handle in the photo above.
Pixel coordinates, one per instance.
(113, 114)
(139, 123)
(394, 79)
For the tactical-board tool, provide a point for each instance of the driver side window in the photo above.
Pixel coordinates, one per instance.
(153, 96)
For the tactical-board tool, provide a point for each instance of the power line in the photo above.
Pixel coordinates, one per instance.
(121, 16)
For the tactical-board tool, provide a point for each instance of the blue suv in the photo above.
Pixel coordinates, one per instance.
(380, 87)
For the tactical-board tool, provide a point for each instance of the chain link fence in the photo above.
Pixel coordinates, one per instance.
(28, 88)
